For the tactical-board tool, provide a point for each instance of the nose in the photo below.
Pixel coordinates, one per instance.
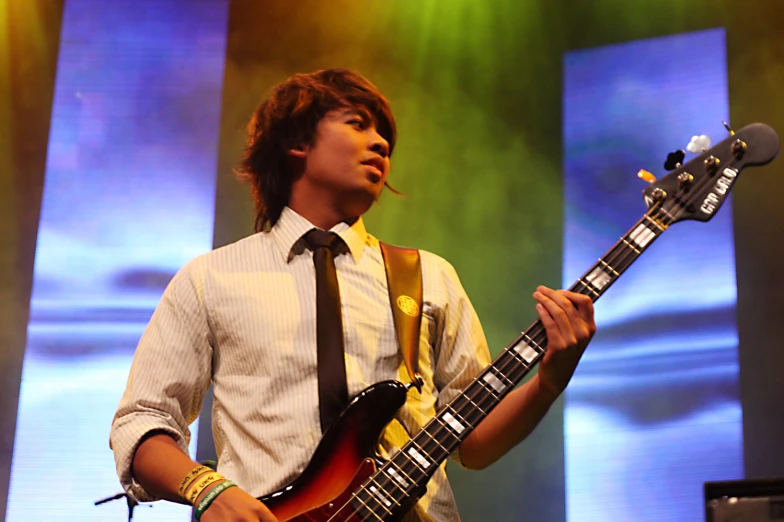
(379, 145)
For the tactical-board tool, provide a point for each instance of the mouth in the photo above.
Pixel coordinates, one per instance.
(374, 173)
(375, 168)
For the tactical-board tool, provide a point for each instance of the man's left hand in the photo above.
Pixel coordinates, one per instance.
(568, 320)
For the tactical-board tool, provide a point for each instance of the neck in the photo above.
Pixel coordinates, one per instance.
(323, 210)
(322, 216)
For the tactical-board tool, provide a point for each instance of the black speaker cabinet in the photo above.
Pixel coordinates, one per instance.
(754, 500)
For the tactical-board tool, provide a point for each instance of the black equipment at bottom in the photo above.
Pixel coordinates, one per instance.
(753, 500)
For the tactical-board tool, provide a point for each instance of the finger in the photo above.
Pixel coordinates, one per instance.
(554, 338)
(582, 303)
(566, 315)
(581, 321)
(561, 299)
(560, 319)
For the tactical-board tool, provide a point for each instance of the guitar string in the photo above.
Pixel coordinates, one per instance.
(483, 397)
(491, 396)
(533, 332)
(487, 400)
(487, 397)
(618, 255)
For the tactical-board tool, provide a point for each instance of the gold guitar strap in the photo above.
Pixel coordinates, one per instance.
(404, 280)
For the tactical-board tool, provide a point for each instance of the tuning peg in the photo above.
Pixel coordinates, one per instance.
(674, 160)
(699, 144)
(646, 176)
(727, 126)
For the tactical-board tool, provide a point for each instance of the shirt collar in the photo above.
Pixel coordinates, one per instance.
(290, 228)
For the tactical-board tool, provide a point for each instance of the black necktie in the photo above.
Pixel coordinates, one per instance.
(333, 391)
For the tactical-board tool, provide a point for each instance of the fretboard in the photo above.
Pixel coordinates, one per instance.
(408, 471)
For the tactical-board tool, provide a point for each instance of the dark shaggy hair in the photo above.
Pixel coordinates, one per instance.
(288, 118)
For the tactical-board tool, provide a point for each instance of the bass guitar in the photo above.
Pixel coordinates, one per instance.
(347, 481)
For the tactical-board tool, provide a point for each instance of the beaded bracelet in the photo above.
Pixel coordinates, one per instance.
(201, 484)
(190, 477)
(212, 495)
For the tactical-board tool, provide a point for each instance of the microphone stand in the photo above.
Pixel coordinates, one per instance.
(132, 503)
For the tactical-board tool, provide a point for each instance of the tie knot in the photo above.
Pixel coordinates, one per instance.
(317, 238)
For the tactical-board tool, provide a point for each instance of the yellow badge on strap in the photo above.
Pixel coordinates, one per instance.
(408, 305)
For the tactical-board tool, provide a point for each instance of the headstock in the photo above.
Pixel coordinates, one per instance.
(697, 189)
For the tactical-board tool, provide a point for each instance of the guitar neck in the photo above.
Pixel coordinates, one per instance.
(405, 475)
(695, 190)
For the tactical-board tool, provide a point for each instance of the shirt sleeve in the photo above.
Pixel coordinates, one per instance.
(461, 351)
(169, 376)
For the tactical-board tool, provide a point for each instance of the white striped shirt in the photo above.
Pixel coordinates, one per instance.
(244, 316)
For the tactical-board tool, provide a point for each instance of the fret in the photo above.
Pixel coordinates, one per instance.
(371, 511)
(631, 246)
(490, 378)
(418, 456)
(489, 388)
(421, 449)
(392, 479)
(481, 396)
(498, 373)
(455, 413)
(374, 499)
(662, 209)
(482, 386)
(413, 471)
(579, 286)
(418, 460)
(475, 404)
(507, 359)
(533, 343)
(624, 261)
(442, 432)
(404, 463)
(470, 412)
(382, 494)
(398, 474)
(452, 423)
(518, 358)
(463, 405)
(513, 369)
(437, 443)
(656, 223)
(528, 353)
(642, 235)
(598, 278)
(616, 274)
(588, 287)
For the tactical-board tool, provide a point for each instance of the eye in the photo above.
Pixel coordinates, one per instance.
(357, 122)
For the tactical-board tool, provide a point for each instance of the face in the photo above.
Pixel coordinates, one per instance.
(347, 164)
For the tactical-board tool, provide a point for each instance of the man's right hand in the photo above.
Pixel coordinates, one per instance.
(235, 505)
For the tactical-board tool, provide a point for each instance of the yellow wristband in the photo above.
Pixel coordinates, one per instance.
(200, 484)
(190, 477)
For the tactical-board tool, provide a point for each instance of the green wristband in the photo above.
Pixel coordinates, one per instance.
(212, 495)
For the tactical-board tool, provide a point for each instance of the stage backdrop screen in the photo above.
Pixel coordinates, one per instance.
(129, 197)
(654, 409)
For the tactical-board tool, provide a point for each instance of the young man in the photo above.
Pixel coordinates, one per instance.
(244, 317)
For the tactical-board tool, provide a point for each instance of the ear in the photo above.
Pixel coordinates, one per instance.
(299, 151)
